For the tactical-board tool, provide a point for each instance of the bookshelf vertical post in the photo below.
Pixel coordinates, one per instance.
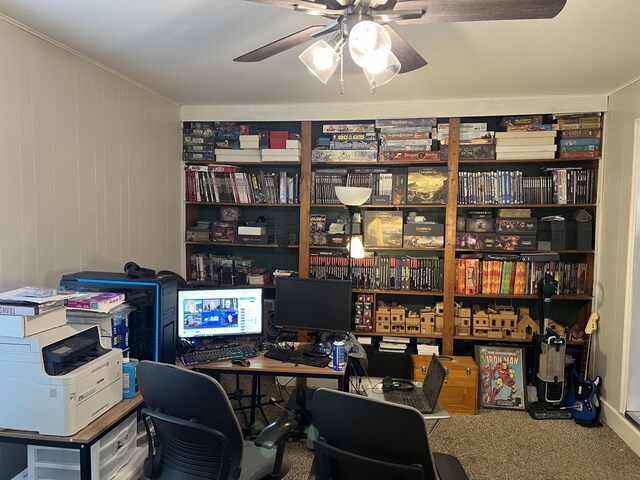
(450, 236)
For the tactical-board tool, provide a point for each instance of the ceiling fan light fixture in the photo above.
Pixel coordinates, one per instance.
(382, 72)
(321, 59)
(368, 40)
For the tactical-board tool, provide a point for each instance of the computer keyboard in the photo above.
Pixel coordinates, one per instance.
(407, 398)
(296, 356)
(218, 354)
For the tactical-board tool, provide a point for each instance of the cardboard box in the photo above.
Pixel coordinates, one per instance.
(198, 235)
(460, 390)
(516, 242)
(579, 235)
(230, 214)
(516, 225)
(476, 241)
(382, 228)
(480, 225)
(253, 239)
(278, 139)
(423, 235)
(554, 233)
(224, 231)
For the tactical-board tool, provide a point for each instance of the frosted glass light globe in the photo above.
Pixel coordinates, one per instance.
(369, 42)
(321, 59)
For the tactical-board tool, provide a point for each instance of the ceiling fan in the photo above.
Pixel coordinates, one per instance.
(380, 39)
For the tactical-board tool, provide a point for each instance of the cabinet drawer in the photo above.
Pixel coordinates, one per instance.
(460, 390)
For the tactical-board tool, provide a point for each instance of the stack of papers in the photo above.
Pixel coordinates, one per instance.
(393, 344)
(428, 346)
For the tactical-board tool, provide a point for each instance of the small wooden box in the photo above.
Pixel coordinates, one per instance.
(460, 390)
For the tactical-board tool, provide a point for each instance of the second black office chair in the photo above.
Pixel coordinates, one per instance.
(360, 437)
(194, 434)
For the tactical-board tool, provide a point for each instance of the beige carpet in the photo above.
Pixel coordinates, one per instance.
(501, 444)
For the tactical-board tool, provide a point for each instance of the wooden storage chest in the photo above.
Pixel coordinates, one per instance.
(460, 390)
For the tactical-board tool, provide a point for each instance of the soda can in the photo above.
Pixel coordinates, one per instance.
(338, 356)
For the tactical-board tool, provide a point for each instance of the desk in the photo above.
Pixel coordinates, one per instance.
(373, 389)
(84, 439)
(261, 365)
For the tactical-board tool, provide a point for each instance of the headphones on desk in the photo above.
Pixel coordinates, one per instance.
(396, 384)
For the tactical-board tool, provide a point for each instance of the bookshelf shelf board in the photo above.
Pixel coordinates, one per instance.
(375, 164)
(551, 161)
(471, 338)
(418, 206)
(400, 292)
(518, 252)
(231, 244)
(531, 205)
(409, 335)
(405, 249)
(259, 164)
(215, 284)
(245, 204)
(506, 295)
(327, 247)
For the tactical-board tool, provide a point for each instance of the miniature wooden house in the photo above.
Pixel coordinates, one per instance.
(526, 328)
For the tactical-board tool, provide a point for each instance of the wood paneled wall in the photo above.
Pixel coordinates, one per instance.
(89, 167)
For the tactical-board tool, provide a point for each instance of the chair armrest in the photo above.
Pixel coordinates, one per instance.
(275, 433)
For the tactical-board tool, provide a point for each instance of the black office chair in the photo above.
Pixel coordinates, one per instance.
(359, 437)
(194, 434)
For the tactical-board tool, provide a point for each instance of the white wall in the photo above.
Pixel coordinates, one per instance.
(89, 167)
(89, 173)
(612, 293)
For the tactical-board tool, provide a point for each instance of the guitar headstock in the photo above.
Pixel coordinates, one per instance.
(592, 323)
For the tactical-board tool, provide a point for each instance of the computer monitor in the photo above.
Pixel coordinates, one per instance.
(218, 312)
(313, 304)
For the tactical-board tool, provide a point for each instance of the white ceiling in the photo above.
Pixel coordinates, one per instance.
(183, 49)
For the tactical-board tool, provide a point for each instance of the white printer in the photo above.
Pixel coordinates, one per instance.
(58, 381)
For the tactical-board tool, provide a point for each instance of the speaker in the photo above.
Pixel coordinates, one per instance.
(270, 332)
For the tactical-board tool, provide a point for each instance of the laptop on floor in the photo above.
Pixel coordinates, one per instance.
(423, 399)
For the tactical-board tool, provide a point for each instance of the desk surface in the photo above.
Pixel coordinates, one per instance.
(269, 366)
(373, 389)
(89, 433)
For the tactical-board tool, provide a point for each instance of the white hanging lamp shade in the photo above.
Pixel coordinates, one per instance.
(382, 72)
(369, 42)
(321, 59)
(353, 196)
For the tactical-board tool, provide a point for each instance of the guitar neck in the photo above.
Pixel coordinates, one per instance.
(584, 360)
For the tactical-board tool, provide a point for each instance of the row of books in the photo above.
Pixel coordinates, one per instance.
(205, 184)
(382, 273)
(475, 275)
(501, 187)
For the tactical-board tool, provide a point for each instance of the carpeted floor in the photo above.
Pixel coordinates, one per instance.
(500, 444)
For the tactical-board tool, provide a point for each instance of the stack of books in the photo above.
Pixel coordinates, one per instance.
(428, 346)
(580, 135)
(393, 344)
(526, 137)
(30, 310)
(259, 276)
(102, 302)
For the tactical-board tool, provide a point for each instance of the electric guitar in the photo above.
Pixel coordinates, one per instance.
(582, 397)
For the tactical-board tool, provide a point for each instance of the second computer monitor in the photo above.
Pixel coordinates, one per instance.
(313, 304)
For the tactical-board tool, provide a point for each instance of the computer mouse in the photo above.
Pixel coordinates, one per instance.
(242, 362)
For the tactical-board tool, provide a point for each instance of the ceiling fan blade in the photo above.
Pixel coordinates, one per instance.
(441, 11)
(409, 58)
(331, 27)
(384, 16)
(334, 5)
(279, 45)
(320, 12)
(290, 4)
(388, 5)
